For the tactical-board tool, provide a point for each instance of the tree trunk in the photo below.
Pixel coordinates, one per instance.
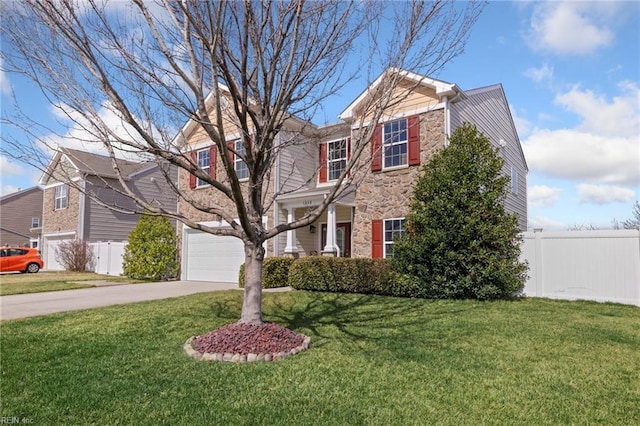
(252, 303)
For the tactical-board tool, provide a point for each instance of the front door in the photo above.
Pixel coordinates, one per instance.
(343, 238)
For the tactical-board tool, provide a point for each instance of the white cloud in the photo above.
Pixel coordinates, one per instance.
(87, 134)
(5, 84)
(544, 73)
(620, 117)
(8, 168)
(523, 126)
(545, 223)
(573, 28)
(572, 154)
(604, 148)
(604, 194)
(542, 195)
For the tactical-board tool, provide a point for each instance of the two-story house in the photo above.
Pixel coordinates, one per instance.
(21, 218)
(364, 222)
(76, 182)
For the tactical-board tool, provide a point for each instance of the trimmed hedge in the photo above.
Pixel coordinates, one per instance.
(275, 272)
(356, 275)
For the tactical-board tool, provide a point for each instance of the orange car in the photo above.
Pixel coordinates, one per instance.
(21, 259)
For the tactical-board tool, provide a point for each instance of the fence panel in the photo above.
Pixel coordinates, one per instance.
(108, 257)
(591, 265)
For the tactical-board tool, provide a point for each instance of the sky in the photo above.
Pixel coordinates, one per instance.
(571, 74)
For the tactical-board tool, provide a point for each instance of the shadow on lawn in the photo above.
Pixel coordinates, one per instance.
(357, 317)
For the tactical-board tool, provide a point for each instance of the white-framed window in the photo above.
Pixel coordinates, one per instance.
(62, 197)
(393, 228)
(35, 222)
(395, 143)
(204, 162)
(336, 158)
(242, 171)
(33, 243)
(514, 180)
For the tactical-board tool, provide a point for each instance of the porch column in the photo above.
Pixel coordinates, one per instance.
(291, 249)
(331, 248)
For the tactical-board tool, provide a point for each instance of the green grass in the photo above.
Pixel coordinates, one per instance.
(374, 360)
(52, 281)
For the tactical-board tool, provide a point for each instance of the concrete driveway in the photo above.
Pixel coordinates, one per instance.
(29, 305)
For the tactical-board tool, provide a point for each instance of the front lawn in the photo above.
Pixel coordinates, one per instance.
(52, 281)
(374, 360)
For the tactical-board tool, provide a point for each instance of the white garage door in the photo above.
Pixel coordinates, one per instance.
(49, 253)
(208, 257)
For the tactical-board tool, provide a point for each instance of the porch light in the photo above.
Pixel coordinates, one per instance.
(312, 229)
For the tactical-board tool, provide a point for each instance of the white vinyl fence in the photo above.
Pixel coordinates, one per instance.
(108, 257)
(590, 265)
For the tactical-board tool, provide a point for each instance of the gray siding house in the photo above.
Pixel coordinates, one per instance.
(21, 218)
(365, 220)
(77, 186)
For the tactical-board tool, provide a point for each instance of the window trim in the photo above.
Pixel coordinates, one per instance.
(238, 146)
(199, 182)
(329, 161)
(61, 201)
(385, 146)
(385, 243)
(35, 222)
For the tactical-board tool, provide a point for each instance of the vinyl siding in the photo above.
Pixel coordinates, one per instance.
(488, 110)
(17, 211)
(298, 162)
(103, 224)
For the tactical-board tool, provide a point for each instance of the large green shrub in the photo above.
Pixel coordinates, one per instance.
(358, 275)
(151, 252)
(275, 271)
(459, 241)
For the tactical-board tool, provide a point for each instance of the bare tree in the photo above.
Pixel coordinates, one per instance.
(248, 66)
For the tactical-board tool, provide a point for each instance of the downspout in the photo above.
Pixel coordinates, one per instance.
(81, 208)
(447, 120)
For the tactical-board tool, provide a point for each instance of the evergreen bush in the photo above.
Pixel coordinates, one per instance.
(151, 253)
(459, 242)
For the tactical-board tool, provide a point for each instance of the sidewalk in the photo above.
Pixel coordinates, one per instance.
(28, 305)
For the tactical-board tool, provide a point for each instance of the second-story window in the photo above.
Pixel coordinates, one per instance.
(204, 162)
(35, 222)
(62, 197)
(242, 171)
(336, 158)
(395, 140)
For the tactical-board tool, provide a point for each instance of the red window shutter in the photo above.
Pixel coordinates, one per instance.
(376, 149)
(323, 163)
(192, 177)
(212, 161)
(376, 239)
(230, 146)
(413, 125)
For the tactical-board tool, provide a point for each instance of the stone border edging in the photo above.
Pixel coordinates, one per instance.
(240, 358)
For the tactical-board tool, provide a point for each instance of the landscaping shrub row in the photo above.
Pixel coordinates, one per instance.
(332, 274)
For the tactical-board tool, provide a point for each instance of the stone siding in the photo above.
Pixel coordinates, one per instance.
(387, 194)
(63, 220)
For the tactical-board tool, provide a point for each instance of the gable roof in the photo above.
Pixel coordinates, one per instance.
(500, 90)
(93, 164)
(442, 88)
(20, 192)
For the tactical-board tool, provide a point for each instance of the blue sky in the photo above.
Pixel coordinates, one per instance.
(571, 73)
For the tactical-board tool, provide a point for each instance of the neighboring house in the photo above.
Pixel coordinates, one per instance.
(365, 222)
(21, 218)
(72, 182)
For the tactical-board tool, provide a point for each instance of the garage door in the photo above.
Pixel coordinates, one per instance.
(208, 257)
(49, 253)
